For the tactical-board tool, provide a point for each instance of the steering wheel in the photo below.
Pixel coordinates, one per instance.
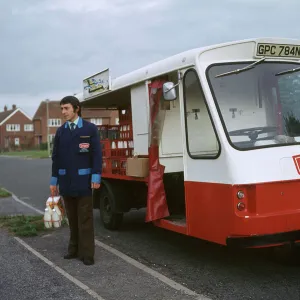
(254, 132)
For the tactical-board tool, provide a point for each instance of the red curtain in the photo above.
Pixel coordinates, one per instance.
(157, 207)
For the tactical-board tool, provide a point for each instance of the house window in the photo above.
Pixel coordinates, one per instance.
(13, 127)
(54, 122)
(97, 121)
(28, 127)
(117, 121)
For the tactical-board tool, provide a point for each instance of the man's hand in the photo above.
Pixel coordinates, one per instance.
(53, 190)
(95, 185)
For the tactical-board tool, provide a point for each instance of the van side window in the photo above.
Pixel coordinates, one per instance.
(201, 138)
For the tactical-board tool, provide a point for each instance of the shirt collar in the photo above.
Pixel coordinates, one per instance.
(78, 123)
(75, 122)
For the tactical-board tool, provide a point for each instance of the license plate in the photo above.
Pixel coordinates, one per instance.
(278, 50)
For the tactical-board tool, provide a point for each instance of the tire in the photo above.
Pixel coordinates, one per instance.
(110, 219)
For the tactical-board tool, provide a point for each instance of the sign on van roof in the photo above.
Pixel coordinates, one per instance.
(96, 84)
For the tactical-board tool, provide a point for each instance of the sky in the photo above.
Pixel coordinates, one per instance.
(49, 46)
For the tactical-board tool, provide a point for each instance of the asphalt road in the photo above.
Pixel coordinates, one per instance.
(206, 268)
(21, 271)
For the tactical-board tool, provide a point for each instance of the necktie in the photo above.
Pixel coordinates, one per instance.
(72, 125)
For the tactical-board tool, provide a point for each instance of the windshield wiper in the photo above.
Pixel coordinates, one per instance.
(237, 71)
(288, 71)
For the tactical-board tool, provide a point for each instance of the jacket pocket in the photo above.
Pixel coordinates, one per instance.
(62, 180)
(62, 172)
(84, 171)
(84, 179)
(84, 145)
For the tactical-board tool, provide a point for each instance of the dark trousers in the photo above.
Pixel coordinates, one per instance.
(80, 215)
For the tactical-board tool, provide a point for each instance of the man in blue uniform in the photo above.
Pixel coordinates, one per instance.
(76, 169)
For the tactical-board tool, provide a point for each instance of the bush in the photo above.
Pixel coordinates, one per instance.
(43, 146)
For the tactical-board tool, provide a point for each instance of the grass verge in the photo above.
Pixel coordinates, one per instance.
(25, 226)
(28, 154)
(4, 194)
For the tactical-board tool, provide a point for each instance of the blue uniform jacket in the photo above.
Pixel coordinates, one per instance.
(76, 159)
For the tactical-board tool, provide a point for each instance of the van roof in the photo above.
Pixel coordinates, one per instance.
(179, 61)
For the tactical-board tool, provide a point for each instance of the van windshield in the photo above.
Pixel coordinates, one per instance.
(258, 107)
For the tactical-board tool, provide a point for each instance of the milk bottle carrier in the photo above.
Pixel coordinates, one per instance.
(54, 212)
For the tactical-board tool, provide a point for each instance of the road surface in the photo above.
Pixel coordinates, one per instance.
(207, 269)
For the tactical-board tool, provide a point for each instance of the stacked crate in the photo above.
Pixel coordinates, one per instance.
(117, 144)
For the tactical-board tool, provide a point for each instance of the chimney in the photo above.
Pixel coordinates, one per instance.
(14, 106)
(5, 108)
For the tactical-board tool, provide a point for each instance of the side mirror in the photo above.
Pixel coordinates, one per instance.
(169, 91)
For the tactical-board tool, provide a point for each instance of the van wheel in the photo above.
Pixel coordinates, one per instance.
(110, 219)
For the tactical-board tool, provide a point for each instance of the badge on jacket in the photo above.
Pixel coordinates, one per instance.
(84, 147)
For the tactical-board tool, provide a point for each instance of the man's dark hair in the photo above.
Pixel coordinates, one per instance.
(73, 101)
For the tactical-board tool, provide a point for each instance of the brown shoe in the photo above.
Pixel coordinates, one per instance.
(70, 256)
(88, 261)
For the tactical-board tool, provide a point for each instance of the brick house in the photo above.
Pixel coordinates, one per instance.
(40, 121)
(100, 116)
(16, 129)
(96, 116)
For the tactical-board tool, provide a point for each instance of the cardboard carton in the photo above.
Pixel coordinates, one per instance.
(137, 167)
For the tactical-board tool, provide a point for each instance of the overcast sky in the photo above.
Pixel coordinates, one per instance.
(49, 46)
